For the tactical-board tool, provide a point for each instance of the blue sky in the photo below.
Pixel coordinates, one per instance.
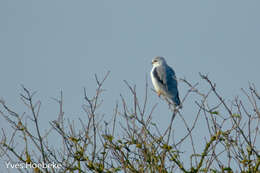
(50, 46)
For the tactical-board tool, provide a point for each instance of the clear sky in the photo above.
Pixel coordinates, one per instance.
(55, 45)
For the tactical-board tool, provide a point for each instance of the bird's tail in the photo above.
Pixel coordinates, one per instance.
(176, 100)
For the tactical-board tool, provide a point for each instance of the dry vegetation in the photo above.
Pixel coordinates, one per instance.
(233, 143)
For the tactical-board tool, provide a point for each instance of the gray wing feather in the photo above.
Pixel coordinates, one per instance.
(172, 85)
(157, 77)
(160, 75)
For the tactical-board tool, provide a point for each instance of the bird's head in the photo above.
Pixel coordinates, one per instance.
(158, 60)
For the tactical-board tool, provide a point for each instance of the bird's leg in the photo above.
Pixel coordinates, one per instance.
(159, 94)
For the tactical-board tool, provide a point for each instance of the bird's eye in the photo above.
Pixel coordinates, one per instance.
(155, 61)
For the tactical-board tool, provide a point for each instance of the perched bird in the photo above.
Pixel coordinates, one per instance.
(164, 80)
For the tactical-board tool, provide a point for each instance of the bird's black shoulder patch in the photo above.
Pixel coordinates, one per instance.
(155, 74)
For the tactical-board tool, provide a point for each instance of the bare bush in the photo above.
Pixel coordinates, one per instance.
(232, 143)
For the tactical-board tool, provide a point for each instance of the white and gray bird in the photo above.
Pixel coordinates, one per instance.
(164, 80)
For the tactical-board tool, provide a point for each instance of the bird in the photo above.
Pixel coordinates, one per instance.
(164, 80)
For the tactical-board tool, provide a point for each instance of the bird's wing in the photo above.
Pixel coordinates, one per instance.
(172, 85)
(171, 80)
(166, 76)
(160, 75)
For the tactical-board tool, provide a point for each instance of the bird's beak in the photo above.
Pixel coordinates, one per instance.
(152, 62)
